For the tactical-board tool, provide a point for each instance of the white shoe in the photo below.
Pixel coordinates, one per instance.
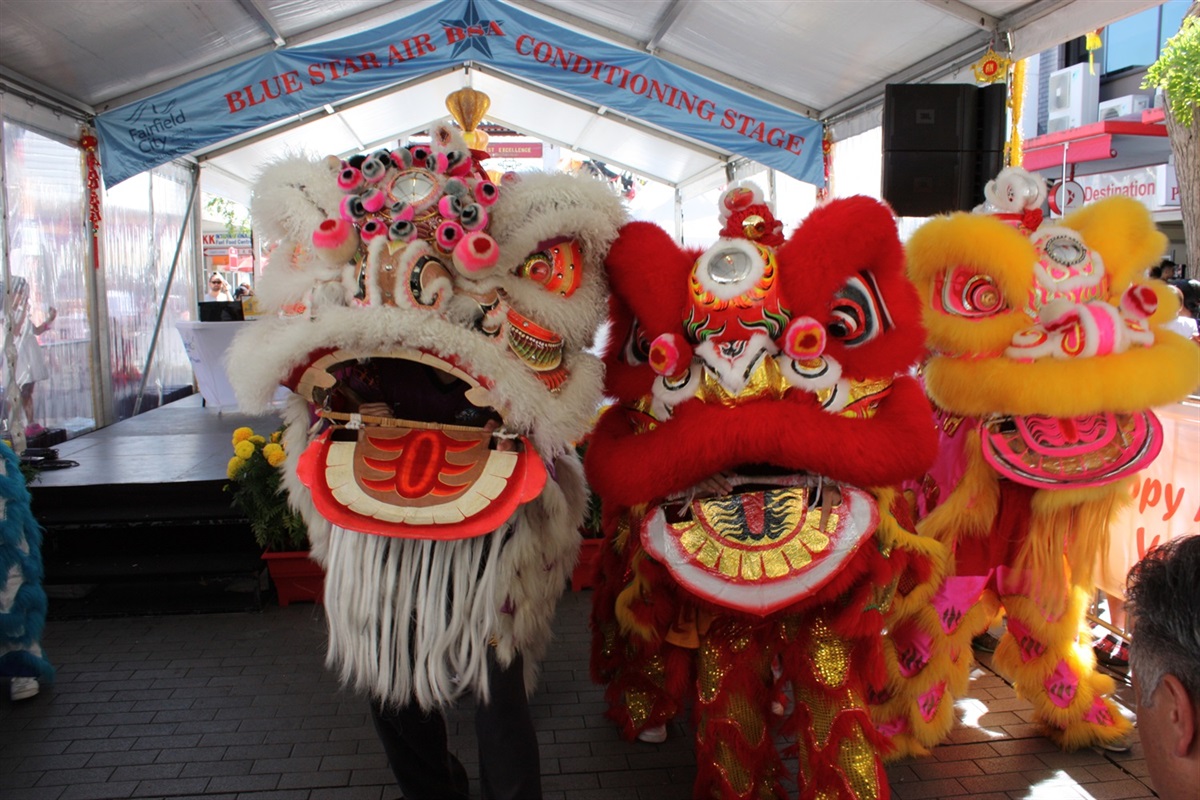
(23, 688)
(655, 735)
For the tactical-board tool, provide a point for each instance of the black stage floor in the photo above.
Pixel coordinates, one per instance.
(143, 525)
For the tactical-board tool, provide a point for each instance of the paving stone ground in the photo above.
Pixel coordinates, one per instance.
(239, 706)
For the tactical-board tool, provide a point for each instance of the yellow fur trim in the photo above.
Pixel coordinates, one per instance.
(1137, 379)
(1122, 230)
(1065, 641)
(987, 246)
(1168, 304)
(971, 506)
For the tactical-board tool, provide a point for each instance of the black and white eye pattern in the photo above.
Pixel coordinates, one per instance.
(858, 313)
(636, 350)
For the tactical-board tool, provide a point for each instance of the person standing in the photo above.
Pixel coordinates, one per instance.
(1164, 603)
(31, 366)
(218, 289)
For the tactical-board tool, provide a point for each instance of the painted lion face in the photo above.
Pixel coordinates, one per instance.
(442, 350)
(1046, 330)
(780, 364)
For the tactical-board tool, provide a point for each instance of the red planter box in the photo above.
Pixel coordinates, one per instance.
(584, 576)
(297, 578)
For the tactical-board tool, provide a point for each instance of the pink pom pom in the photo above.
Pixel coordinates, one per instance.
(331, 234)
(486, 193)
(441, 163)
(349, 179)
(373, 201)
(670, 355)
(371, 229)
(803, 339)
(448, 206)
(337, 238)
(351, 208)
(449, 234)
(476, 252)
(1139, 301)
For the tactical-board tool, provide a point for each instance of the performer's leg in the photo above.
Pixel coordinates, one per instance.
(418, 753)
(736, 755)
(509, 767)
(1050, 662)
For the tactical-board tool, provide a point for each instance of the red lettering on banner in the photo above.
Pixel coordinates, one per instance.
(267, 89)
(555, 56)
(413, 47)
(1141, 543)
(342, 68)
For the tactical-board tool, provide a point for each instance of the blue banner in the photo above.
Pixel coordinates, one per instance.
(290, 81)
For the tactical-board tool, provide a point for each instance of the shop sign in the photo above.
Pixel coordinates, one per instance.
(1148, 185)
(221, 244)
(514, 149)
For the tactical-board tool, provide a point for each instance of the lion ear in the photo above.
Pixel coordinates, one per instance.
(649, 272)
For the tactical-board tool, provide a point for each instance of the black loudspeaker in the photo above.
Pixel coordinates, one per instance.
(941, 144)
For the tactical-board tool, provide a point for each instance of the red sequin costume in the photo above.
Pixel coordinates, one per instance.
(754, 540)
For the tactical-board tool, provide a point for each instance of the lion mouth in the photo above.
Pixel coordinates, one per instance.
(776, 539)
(412, 448)
(1088, 450)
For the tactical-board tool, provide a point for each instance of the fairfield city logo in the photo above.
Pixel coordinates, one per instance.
(470, 32)
(149, 125)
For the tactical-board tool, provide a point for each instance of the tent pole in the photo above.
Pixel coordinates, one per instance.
(162, 305)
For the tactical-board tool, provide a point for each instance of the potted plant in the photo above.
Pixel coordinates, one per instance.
(255, 481)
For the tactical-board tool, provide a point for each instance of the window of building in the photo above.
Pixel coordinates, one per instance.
(1136, 41)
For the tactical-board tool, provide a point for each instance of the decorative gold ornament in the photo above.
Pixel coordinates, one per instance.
(468, 107)
(991, 67)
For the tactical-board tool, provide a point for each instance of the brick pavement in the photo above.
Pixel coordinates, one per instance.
(239, 707)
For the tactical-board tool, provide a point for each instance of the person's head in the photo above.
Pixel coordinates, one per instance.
(1163, 600)
(1166, 270)
(215, 282)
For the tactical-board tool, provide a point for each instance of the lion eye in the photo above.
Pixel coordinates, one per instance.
(858, 313)
(637, 349)
(1066, 250)
(557, 266)
(964, 293)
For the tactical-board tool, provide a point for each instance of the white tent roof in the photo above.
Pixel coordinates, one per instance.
(825, 59)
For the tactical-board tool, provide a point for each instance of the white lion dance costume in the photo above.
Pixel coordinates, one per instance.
(1047, 354)
(440, 381)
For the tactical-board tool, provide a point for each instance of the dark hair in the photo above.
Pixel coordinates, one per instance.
(1163, 600)
(1190, 289)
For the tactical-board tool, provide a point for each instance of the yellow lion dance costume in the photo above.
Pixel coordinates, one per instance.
(1046, 356)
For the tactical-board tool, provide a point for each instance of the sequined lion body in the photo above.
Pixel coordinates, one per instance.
(1046, 356)
(754, 540)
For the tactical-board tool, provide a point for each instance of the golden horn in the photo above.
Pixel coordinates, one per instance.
(468, 107)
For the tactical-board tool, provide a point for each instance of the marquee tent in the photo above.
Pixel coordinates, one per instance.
(795, 63)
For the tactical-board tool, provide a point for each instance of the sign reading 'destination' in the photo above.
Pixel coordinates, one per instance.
(291, 81)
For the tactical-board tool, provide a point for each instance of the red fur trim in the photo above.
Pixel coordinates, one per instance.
(835, 243)
(898, 443)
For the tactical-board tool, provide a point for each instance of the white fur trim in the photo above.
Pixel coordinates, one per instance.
(415, 618)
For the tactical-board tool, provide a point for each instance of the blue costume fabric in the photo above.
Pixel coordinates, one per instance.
(22, 598)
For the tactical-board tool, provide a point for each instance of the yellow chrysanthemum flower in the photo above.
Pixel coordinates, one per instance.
(235, 466)
(242, 434)
(258, 440)
(244, 449)
(268, 449)
(275, 457)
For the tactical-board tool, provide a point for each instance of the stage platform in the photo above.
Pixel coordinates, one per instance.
(143, 525)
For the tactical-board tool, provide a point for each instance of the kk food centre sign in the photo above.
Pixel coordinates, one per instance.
(291, 81)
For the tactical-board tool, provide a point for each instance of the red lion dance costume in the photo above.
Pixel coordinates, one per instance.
(779, 367)
(1046, 356)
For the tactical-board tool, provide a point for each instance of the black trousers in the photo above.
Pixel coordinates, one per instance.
(425, 769)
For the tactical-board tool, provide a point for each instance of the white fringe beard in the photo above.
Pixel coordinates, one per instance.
(413, 619)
